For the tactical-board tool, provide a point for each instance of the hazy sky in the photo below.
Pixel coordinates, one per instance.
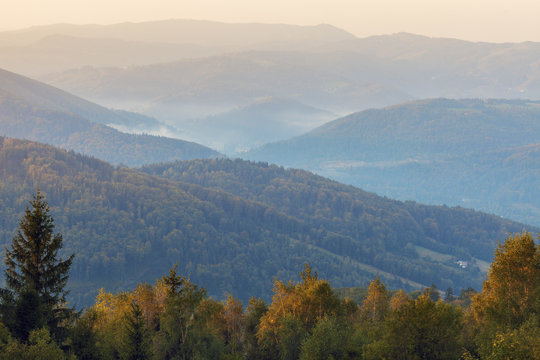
(478, 20)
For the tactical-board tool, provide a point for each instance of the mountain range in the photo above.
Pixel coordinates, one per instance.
(188, 73)
(51, 48)
(474, 153)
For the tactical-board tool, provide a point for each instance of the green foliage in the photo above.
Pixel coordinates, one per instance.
(29, 314)
(40, 346)
(233, 314)
(175, 320)
(420, 329)
(183, 331)
(127, 227)
(136, 344)
(290, 335)
(521, 343)
(510, 293)
(330, 340)
(35, 276)
(254, 312)
(506, 312)
(83, 337)
(379, 235)
(5, 336)
(376, 304)
(294, 311)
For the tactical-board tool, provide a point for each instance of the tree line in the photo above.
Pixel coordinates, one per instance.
(176, 319)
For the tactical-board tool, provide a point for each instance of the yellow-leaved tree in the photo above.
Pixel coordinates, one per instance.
(511, 292)
(507, 311)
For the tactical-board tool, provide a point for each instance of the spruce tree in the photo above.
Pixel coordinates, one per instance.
(35, 276)
(136, 337)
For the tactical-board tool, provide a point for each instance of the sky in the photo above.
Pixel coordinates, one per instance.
(475, 20)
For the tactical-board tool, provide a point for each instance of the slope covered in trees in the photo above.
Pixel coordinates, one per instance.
(414, 237)
(472, 153)
(35, 111)
(346, 209)
(126, 227)
(48, 97)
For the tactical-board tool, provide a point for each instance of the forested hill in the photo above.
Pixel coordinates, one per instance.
(35, 111)
(413, 238)
(44, 96)
(481, 154)
(126, 227)
(398, 226)
(424, 129)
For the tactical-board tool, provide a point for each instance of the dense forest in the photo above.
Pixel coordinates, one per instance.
(176, 319)
(128, 227)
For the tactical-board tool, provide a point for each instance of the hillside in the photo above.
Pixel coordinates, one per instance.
(126, 226)
(35, 111)
(48, 97)
(410, 230)
(476, 153)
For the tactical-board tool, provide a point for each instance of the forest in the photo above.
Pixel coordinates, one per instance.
(174, 318)
(234, 225)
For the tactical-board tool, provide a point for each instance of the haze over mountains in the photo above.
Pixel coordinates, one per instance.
(473, 153)
(148, 42)
(35, 111)
(263, 121)
(182, 71)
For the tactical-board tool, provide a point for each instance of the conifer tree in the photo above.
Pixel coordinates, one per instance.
(136, 342)
(35, 276)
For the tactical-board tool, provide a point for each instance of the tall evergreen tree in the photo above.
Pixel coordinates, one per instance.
(35, 276)
(137, 339)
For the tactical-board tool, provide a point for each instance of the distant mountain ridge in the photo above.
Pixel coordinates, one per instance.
(52, 48)
(340, 77)
(184, 31)
(478, 153)
(35, 111)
